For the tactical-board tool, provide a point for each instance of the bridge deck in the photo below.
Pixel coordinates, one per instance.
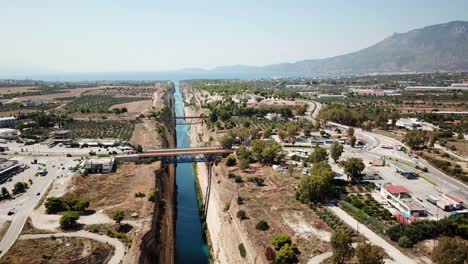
(185, 151)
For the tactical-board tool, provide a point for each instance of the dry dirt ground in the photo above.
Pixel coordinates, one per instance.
(10, 90)
(137, 107)
(276, 103)
(58, 250)
(51, 97)
(4, 229)
(275, 203)
(116, 191)
(145, 134)
(461, 147)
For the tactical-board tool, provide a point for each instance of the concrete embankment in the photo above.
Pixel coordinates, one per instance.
(158, 245)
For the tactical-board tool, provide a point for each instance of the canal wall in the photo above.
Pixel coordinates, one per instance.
(158, 245)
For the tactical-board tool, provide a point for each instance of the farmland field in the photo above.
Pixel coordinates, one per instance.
(101, 129)
(98, 103)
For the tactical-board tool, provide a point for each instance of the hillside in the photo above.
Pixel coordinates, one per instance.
(442, 47)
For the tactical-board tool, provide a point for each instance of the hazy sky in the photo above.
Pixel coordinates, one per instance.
(152, 35)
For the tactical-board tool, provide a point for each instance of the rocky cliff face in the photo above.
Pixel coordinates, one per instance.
(158, 245)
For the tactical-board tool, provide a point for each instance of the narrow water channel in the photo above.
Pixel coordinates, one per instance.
(191, 246)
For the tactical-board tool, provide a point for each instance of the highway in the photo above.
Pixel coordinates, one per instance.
(185, 151)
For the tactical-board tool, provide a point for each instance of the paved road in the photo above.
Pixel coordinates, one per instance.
(119, 247)
(445, 183)
(320, 258)
(392, 251)
(24, 205)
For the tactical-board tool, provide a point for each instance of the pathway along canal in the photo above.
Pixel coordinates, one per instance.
(191, 245)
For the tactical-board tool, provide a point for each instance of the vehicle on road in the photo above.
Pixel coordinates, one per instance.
(10, 213)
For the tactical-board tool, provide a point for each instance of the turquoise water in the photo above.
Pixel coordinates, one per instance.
(191, 245)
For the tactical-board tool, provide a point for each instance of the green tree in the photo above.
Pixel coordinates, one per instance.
(352, 141)
(341, 243)
(319, 154)
(285, 255)
(230, 161)
(54, 205)
(267, 133)
(405, 242)
(451, 251)
(69, 219)
(353, 167)
(318, 186)
(262, 225)
(5, 193)
(226, 141)
(336, 149)
(244, 164)
(139, 148)
(415, 139)
(350, 132)
(118, 216)
(279, 240)
(367, 253)
(266, 151)
(20, 187)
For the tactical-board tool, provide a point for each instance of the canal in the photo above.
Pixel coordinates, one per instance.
(191, 246)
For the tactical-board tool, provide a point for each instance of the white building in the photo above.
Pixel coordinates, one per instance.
(409, 123)
(400, 198)
(331, 96)
(7, 122)
(102, 165)
(8, 133)
(436, 88)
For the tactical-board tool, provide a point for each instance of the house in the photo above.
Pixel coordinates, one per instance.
(61, 136)
(8, 133)
(7, 122)
(400, 198)
(272, 116)
(102, 165)
(408, 123)
(6, 168)
(378, 163)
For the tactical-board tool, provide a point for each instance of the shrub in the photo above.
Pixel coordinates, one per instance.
(69, 220)
(238, 179)
(270, 254)
(262, 225)
(280, 240)
(231, 175)
(240, 200)
(241, 215)
(139, 194)
(242, 251)
(231, 161)
(405, 242)
(285, 255)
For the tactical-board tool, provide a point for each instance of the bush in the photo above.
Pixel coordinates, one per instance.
(262, 225)
(231, 175)
(139, 194)
(280, 240)
(231, 161)
(241, 215)
(285, 255)
(240, 200)
(69, 220)
(405, 242)
(59, 204)
(270, 254)
(242, 251)
(238, 179)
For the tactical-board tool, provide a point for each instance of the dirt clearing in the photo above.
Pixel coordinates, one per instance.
(58, 250)
(136, 107)
(116, 191)
(145, 134)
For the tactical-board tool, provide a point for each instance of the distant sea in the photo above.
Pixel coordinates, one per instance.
(148, 76)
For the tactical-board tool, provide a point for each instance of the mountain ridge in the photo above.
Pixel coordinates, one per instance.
(439, 47)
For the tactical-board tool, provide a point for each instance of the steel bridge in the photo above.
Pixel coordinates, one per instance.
(190, 155)
(189, 120)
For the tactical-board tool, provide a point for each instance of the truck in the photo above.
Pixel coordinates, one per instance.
(433, 200)
(444, 204)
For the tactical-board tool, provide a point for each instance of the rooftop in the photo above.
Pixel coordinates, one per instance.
(396, 189)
